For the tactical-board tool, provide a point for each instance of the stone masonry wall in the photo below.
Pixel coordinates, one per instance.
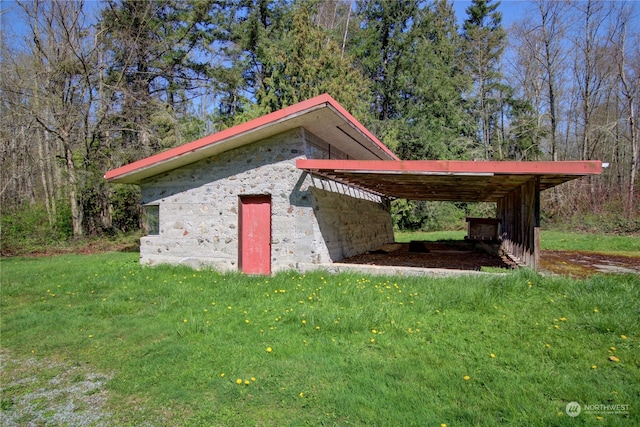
(351, 222)
(199, 203)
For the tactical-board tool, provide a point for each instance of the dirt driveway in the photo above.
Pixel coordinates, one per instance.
(585, 264)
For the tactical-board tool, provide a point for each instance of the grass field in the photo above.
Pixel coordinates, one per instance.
(551, 240)
(174, 346)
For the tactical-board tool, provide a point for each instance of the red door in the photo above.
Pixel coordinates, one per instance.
(254, 252)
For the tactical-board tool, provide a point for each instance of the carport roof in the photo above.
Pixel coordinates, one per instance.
(447, 180)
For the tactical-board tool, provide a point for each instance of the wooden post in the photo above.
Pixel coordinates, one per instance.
(519, 212)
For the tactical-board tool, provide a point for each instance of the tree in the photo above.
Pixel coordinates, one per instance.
(382, 47)
(486, 40)
(589, 70)
(298, 60)
(628, 76)
(543, 54)
(155, 70)
(61, 91)
(435, 123)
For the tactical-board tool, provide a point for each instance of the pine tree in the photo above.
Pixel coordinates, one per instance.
(153, 71)
(436, 124)
(298, 60)
(485, 43)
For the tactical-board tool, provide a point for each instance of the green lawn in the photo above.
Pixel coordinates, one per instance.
(551, 240)
(318, 349)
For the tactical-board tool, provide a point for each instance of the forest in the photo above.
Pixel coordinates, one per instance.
(86, 87)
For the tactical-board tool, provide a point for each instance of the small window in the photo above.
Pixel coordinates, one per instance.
(152, 220)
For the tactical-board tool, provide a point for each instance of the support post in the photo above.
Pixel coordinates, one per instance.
(519, 212)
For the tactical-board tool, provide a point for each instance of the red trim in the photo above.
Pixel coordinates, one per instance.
(254, 124)
(589, 167)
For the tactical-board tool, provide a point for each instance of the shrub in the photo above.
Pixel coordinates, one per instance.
(27, 229)
(410, 215)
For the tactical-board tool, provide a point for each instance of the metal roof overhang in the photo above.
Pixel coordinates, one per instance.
(447, 180)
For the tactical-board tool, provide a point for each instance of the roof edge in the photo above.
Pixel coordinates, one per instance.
(577, 167)
(243, 128)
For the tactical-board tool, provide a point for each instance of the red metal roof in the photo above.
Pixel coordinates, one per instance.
(379, 170)
(321, 114)
(447, 180)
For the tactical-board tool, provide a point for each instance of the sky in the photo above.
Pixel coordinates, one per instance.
(512, 10)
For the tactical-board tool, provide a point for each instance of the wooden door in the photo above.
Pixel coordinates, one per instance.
(254, 252)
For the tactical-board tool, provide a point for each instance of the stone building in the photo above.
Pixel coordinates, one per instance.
(308, 185)
(235, 200)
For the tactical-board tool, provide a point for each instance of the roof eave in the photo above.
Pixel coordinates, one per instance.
(251, 131)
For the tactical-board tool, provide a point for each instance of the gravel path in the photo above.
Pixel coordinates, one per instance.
(44, 392)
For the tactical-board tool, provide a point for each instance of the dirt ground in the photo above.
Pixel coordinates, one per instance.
(463, 255)
(585, 264)
(456, 255)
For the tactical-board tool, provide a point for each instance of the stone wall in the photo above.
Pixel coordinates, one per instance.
(350, 222)
(311, 222)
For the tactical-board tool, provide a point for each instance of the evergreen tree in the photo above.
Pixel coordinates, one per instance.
(411, 53)
(153, 70)
(382, 47)
(294, 59)
(435, 122)
(485, 43)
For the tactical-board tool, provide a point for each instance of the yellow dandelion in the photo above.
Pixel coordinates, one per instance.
(614, 359)
(547, 345)
(624, 337)
(222, 375)
(599, 418)
(239, 381)
(246, 320)
(563, 319)
(90, 336)
(493, 355)
(304, 322)
(612, 349)
(253, 379)
(184, 320)
(594, 367)
(317, 328)
(269, 350)
(466, 378)
(373, 331)
(372, 340)
(301, 394)
(443, 425)
(246, 382)
(595, 310)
